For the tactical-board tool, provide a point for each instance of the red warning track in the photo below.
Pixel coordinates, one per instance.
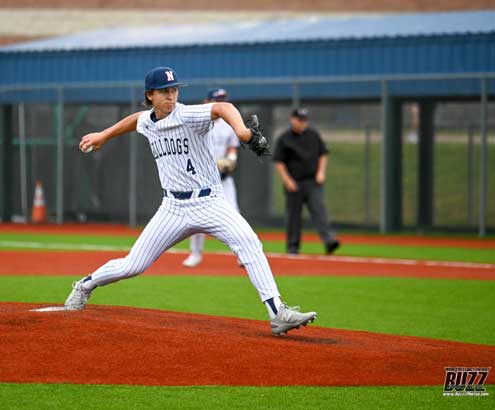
(118, 345)
(82, 263)
(107, 229)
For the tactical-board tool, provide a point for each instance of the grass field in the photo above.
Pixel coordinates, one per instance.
(414, 307)
(346, 181)
(106, 242)
(48, 397)
(457, 310)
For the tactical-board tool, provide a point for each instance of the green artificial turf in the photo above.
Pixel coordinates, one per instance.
(64, 241)
(123, 243)
(395, 251)
(104, 397)
(459, 310)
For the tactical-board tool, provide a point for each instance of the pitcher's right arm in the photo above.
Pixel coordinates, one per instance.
(96, 140)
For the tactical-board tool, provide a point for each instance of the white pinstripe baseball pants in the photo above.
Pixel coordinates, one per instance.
(230, 194)
(176, 220)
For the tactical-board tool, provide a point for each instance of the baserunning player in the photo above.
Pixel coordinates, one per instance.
(193, 199)
(224, 144)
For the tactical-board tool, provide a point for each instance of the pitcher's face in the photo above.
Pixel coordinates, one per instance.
(163, 100)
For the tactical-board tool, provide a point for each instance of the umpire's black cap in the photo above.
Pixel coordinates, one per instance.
(301, 113)
(161, 77)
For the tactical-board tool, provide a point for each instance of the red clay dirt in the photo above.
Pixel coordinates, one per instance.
(82, 263)
(119, 345)
(123, 230)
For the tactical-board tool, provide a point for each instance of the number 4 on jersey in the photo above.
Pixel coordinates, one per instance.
(190, 167)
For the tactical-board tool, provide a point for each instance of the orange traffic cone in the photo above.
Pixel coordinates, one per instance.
(39, 207)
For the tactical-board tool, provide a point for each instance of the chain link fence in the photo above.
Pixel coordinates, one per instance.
(120, 183)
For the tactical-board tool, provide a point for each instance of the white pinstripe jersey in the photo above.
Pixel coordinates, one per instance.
(222, 137)
(181, 148)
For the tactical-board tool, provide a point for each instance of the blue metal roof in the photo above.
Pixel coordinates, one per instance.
(293, 30)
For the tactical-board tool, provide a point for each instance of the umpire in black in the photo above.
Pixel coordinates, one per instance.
(301, 160)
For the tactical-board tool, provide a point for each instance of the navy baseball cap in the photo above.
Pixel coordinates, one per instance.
(161, 77)
(301, 113)
(218, 94)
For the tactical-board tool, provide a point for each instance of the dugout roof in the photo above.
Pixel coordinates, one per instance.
(307, 48)
(275, 31)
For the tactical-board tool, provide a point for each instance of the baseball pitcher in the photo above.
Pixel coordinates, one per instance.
(193, 198)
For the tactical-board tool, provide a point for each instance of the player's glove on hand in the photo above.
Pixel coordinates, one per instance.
(258, 143)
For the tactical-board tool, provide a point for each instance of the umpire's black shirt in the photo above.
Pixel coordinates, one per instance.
(300, 153)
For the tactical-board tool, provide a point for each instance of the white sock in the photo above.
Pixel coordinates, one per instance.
(197, 244)
(272, 306)
(88, 283)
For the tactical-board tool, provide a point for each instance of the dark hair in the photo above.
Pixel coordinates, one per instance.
(147, 101)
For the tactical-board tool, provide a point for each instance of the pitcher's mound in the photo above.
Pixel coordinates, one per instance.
(121, 345)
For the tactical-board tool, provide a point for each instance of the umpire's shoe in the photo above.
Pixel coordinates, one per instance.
(332, 246)
(290, 318)
(78, 297)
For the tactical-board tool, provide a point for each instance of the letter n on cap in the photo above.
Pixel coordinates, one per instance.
(170, 75)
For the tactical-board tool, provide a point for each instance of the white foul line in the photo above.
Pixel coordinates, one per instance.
(323, 258)
(62, 246)
(363, 259)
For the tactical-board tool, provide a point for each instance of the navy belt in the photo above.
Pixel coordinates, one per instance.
(188, 194)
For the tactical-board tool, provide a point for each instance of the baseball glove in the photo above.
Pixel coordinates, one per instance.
(258, 143)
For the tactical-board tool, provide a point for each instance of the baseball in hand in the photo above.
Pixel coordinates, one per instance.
(87, 150)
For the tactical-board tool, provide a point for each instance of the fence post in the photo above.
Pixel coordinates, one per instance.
(6, 151)
(426, 154)
(21, 112)
(60, 157)
(382, 221)
(483, 158)
(470, 175)
(391, 163)
(367, 174)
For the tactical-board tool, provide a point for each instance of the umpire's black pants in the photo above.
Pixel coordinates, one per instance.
(309, 193)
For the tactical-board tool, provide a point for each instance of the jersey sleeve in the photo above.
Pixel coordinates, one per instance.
(141, 121)
(198, 117)
(322, 148)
